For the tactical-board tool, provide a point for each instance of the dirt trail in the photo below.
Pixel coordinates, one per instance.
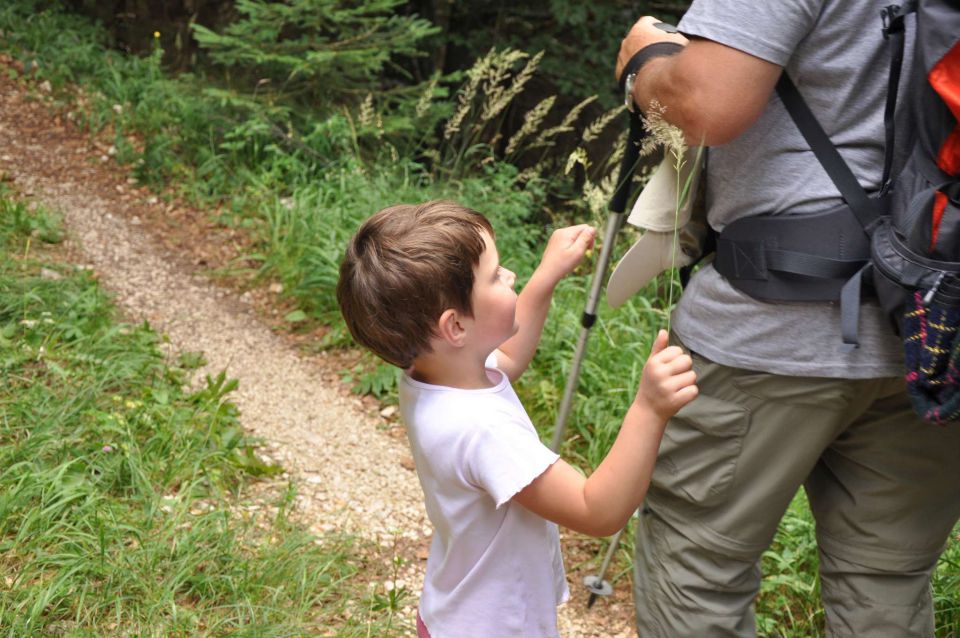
(351, 475)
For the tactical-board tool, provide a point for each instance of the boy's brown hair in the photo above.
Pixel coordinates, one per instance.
(403, 268)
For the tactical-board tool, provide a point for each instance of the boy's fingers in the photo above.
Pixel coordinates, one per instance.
(660, 343)
(680, 381)
(669, 355)
(575, 233)
(679, 363)
(686, 395)
(586, 236)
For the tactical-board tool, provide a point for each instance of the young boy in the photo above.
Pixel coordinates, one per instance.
(423, 288)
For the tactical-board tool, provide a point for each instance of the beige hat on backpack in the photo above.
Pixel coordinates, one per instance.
(672, 237)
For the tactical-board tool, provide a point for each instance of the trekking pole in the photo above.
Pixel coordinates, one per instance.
(618, 204)
(596, 584)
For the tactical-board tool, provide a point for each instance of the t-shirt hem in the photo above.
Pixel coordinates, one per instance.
(523, 483)
(438, 631)
(786, 367)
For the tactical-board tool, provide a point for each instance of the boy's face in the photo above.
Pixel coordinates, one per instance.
(493, 298)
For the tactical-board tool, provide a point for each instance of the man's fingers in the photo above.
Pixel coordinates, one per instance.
(644, 20)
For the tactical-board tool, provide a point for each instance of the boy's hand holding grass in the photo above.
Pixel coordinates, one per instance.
(668, 381)
(601, 504)
(565, 250)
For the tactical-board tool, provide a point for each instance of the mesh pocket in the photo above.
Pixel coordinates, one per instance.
(932, 356)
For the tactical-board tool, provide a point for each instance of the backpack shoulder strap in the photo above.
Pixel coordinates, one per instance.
(894, 33)
(867, 210)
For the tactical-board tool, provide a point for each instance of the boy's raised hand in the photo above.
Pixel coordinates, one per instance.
(668, 382)
(565, 249)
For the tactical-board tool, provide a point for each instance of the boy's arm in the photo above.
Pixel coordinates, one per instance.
(602, 504)
(564, 251)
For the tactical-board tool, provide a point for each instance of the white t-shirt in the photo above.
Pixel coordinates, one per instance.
(495, 567)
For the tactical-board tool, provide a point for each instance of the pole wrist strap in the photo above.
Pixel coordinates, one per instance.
(644, 55)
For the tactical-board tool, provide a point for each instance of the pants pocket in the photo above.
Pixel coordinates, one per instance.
(700, 449)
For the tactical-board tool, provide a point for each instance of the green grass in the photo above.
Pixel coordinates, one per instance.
(301, 199)
(119, 486)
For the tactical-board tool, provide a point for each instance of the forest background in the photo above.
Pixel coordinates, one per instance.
(293, 121)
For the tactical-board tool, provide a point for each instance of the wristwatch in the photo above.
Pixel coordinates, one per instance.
(629, 74)
(628, 90)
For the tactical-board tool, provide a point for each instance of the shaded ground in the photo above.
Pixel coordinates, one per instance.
(350, 464)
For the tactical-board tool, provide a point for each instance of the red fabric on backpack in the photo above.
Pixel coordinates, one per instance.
(939, 205)
(944, 77)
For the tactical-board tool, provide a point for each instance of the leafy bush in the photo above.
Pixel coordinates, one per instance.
(313, 52)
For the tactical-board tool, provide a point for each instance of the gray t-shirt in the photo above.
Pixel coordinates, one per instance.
(835, 54)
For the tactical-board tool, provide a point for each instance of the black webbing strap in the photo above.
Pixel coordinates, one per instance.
(742, 259)
(628, 164)
(895, 34)
(644, 55)
(811, 265)
(850, 310)
(866, 210)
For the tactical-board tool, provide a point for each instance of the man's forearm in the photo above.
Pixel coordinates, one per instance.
(710, 91)
(659, 83)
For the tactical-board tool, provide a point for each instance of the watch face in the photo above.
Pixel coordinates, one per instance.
(628, 91)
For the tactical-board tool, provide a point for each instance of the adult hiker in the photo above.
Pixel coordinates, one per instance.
(783, 401)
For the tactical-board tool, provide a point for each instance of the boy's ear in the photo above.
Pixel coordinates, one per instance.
(451, 328)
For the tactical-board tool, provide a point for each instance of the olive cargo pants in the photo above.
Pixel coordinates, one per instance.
(883, 486)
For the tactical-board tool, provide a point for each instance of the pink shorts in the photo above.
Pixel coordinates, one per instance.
(421, 628)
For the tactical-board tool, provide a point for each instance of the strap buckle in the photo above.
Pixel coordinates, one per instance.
(892, 20)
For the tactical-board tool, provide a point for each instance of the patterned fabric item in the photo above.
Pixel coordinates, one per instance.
(933, 359)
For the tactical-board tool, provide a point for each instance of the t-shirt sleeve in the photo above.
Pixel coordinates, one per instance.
(768, 30)
(504, 458)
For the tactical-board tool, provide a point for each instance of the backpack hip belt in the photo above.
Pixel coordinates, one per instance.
(802, 257)
(903, 241)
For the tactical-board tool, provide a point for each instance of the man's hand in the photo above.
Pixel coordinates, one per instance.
(643, 34)
(565, 250)
(668, 382)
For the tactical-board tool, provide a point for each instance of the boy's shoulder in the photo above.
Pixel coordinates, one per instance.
(447, 415)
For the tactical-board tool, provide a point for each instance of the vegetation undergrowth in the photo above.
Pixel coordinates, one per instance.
(122, 489)
(302, 174)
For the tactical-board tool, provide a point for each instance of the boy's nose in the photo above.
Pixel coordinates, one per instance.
(511, 278)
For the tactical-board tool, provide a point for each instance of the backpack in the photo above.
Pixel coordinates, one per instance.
(901, 243)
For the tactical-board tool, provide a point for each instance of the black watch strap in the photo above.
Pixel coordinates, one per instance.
(644, 55)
